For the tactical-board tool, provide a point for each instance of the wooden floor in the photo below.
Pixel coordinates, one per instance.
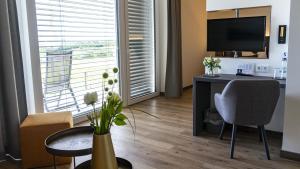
(167, 142)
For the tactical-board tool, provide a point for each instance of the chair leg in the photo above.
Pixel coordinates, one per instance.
(264, 138)
(46, 105)
(222, 130)
(74, 98)
(59, 97)
(259, 133)
(233, 137)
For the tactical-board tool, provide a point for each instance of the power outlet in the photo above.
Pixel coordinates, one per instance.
(262, 68)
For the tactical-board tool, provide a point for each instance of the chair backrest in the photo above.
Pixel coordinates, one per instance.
(58, 68)
(251, 102)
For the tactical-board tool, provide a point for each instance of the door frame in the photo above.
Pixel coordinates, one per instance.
(124, 53)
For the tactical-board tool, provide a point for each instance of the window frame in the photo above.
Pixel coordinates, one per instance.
(30, 54)
(131, 101)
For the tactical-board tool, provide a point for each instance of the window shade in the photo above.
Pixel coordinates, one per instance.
(77, 43)
(141, 47)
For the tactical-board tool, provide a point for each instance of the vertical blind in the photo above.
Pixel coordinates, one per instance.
(77, 43)
(141, 47)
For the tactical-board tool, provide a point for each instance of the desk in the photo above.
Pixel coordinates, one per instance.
(202, 95)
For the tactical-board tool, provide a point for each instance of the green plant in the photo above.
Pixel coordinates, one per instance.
(112, 105)
(212, 63)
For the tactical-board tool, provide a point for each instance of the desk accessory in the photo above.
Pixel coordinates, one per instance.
(246, 69)
(282, 34)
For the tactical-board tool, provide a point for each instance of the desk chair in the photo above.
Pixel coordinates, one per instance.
(248, 103)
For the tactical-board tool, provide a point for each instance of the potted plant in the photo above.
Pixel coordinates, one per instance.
(211, 65)
(103, 156)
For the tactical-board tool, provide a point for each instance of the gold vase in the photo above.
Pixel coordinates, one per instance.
(103, 155)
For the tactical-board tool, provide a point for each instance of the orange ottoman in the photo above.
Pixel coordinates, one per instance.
(34, 130)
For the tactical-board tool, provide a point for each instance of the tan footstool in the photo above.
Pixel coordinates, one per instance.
(34, 130)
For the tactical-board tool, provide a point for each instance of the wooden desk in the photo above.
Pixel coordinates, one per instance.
(202, 95)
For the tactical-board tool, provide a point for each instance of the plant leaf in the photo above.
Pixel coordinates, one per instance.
(119, 122)
(119, 107)
(142, 111)
(132, 127)
(121, 116)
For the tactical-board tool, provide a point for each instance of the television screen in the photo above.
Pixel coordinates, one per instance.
(236, 34)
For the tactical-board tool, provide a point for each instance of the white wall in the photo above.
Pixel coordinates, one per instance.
(213, 5)
(291, 134)
(193, 21)
(280, 16)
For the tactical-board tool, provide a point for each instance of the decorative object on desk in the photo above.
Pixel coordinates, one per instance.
(212, 65)
(103, 155)
(284, 66)
(282, 34)
(281, 73)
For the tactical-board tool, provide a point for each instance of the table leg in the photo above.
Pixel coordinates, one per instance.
(74, 162)
(54, 163)
(201, 102)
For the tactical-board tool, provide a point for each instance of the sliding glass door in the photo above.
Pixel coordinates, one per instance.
(141, 50)
(72, 42)
(77, 42)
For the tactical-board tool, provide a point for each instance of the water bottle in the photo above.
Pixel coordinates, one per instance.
(283, 74)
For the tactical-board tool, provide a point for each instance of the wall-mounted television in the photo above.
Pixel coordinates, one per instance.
(236, 34)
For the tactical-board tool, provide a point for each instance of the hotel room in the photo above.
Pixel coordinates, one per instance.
(149, 84)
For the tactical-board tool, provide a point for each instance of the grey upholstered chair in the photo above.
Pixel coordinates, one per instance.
(248, 102)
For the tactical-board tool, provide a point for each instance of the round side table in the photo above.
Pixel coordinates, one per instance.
(73, 142)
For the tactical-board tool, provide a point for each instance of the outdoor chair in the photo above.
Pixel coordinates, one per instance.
(57, 80)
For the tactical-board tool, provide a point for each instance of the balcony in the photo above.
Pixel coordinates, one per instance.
(71, 71)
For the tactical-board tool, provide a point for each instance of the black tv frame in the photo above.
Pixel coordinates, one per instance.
(262, 49)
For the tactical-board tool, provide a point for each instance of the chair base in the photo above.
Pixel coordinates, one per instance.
(222, 130)
(233, 137)
(262, 137)
(265, 141)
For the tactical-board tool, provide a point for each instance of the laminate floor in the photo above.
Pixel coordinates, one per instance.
(167, 142)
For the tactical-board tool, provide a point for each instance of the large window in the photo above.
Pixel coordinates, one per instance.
(72, 42)
(77, 43)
